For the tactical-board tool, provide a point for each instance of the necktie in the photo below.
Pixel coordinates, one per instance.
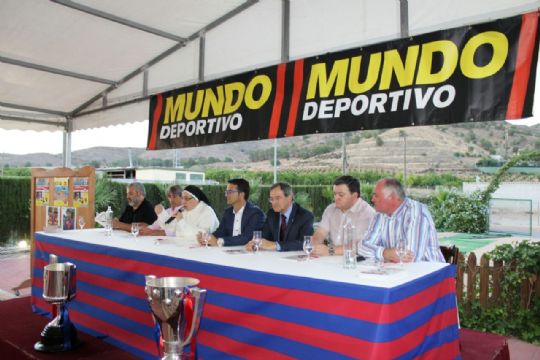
(283, 228)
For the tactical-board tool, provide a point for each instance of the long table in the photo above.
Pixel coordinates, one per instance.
(266, 305)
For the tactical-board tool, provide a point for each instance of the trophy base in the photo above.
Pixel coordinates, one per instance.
(53, 339)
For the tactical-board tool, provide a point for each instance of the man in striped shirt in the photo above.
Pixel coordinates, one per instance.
(400, 219)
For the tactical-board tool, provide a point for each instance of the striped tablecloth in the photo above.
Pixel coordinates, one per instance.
(266, 305)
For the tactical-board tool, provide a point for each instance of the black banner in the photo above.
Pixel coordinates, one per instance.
(483, 72)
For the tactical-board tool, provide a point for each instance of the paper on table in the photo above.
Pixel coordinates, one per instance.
(301, 257)
(235, 251)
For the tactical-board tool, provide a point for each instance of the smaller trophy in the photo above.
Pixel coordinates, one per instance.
(176, 306)
(59, 287)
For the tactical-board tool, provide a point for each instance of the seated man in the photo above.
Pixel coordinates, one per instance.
(348, 207)
(138, 209)
(239, 220)
(400, 219)
(286, 222)
(174, 195)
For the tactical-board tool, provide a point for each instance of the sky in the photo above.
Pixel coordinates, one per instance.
(27, 142)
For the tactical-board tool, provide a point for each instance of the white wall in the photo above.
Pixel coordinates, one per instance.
(513, 190)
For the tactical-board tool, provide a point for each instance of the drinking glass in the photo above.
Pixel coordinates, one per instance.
(135, 229)
(308, 246)
(82, 222)
(206, 237)
(257, 239)
(401, 250)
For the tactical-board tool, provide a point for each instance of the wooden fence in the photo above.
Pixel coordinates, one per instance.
(483, 282)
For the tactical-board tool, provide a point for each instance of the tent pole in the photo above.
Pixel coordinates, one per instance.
(275, 160)
(404, 17)
(66, 148)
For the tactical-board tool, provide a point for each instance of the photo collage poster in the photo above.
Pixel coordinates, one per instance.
(61, 191)
(80, 192)
(42, 191)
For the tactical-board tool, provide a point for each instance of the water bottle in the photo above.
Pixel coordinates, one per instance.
(108, 221)
(349, 246)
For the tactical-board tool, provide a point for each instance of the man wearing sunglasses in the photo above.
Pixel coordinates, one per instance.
(239, 220)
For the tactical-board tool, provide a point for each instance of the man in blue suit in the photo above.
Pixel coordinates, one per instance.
(286, 223)
(239, 220)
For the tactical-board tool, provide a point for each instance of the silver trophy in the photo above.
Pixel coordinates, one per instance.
(59, 287)
(176, 305)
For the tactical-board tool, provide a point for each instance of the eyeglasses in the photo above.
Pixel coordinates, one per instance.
(227, 192)
(277, 198)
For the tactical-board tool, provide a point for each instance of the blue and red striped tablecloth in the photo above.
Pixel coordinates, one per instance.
(251, 312)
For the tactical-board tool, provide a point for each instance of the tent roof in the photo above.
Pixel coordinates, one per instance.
(88, 63)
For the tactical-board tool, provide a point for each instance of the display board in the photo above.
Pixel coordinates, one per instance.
(60, 197)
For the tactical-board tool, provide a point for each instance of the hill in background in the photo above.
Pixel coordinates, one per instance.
(455, 148)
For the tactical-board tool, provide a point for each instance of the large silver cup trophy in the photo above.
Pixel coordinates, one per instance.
(59, 287)
(176, 305)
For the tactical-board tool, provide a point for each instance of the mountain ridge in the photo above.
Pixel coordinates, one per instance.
(420, 148)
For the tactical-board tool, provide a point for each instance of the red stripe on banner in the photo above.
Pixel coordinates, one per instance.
(278, 102)
(155, 121)
(374, 312)
(120, 334)
(331, 341)
(236, 348)
(526, 44)
(297, 90)
(450, 351)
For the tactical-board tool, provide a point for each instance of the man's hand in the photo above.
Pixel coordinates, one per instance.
(391, 255)
(265, 245)
(320, 250)
(145, 231)
(158, 209)
(212, 240)
(118, 225)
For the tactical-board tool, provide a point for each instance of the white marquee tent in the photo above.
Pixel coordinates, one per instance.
(79, 64)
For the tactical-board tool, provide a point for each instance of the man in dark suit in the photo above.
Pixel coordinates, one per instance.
(286, 223)
(239, 220)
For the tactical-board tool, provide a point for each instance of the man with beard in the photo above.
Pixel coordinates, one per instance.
(138, 210)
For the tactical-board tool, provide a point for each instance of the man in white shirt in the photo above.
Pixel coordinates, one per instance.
(348, 207)
(174, 195)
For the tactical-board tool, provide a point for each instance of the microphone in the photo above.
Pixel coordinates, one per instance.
(169, 220)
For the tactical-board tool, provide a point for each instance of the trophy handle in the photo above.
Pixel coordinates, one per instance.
(200, 296)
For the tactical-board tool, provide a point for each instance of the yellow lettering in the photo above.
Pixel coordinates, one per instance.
(193, 111)
(499, 43)
(357, 87)
(266, 90)
(234, 93)
(318, 79)
(450, 55)
(174, 108)
(214, 101)
(393, 64)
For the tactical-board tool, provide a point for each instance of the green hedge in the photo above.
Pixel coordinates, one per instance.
(312, 189)
(14, 209)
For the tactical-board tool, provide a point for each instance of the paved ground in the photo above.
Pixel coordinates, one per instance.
(16, 269)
